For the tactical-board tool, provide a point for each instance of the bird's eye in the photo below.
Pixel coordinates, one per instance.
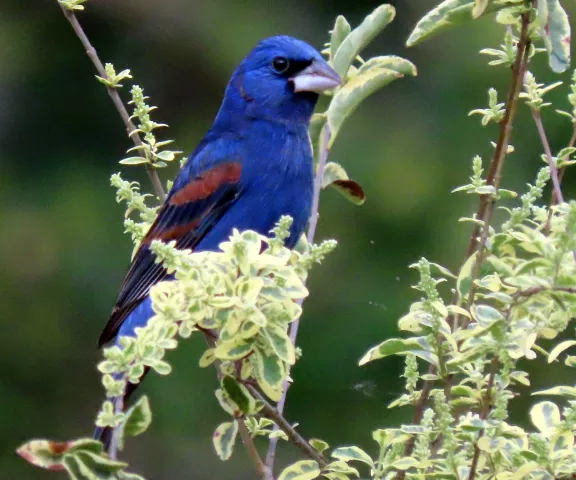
(280, 64)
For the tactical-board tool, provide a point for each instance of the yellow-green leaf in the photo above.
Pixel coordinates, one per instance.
(353, 453)
(545, 416)
(447, 14)
(361, 36)
(391, 62)
(340, 31)
(207, 358)
(270, 373)
(280, 343)
(464, 282)
(479, 7)
(239, 394)
(400, 346)
(561, 390)
(302, 470)
(138, 418)
(347, 99)
(224, 438)
(558, 349)
(232, 350)
(405, 463)
(318, 444)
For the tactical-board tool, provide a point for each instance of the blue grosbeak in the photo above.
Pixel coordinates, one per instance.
(253, 166)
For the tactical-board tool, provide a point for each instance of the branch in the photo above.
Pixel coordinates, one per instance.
(553, 169)
(553, 198)
(293, 436)
(325, 136)
(130, 128)
(535, 290)
(487, 202)
(262, 470)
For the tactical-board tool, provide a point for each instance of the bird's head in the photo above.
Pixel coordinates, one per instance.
(279, 80)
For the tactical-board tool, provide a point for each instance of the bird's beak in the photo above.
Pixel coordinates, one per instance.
(317, 77)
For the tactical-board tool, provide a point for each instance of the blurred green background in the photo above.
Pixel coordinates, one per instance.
(63, 254)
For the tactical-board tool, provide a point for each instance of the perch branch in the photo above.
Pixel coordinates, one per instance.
(293, 436)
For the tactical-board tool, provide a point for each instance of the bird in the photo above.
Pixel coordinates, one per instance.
(254, 165)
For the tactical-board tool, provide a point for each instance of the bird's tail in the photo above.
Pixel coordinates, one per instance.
(104, 434)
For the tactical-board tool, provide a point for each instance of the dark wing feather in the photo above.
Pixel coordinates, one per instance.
(189, 213)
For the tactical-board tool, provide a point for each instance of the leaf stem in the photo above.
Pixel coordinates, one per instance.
(325, 136)
(553, 169)
(114, 95)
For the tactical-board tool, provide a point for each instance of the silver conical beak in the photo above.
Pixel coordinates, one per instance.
(317, 77)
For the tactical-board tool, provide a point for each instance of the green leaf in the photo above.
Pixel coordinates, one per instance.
(207, 358)
(391, 62)
(558, 349)
(224, 438)
(347, 98)
(479, 7)
(464, 282)
(133, 161)
(340, 31)
(563, 391)
(270, 373)
(302, 470)
(353, 453)
(137, 418)
(399, 346)
(336, 177)
(336, 476)
(361, 36)
(280, 343)
(239, 394)
(319, 445)
(101, 466)
(234, 350)
(405, 463)
(545, 416)
(445, 15)
(555, 31)
(486, 315)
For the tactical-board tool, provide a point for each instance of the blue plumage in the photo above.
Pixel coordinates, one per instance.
(253, 166)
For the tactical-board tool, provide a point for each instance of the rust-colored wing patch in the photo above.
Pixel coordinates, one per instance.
(205, 185)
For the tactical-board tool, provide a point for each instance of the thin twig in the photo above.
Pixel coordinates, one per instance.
(323, 157)
(293, 436)
(487, 203)
(553, 199)
(262, 470)
(130, 128)
(553, 169)
(535, 290)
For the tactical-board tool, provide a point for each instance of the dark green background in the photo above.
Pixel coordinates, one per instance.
(63, 254)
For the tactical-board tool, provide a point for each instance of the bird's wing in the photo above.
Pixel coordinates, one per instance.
(196, 202)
